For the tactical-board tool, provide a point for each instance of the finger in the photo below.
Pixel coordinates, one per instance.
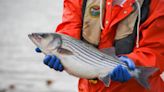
(124, 75)
(38, 50)
(128, 61)
(56, 64)
(127, 76)
(52, 61)
(60, 68)
(119, 73)
(130, 64)
(116, 74)
(47, 59)
(113, 75)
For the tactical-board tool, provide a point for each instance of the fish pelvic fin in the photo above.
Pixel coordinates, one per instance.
(105, 78)
(143, 75)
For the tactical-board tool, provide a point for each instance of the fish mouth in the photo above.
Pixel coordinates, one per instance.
(35, 37)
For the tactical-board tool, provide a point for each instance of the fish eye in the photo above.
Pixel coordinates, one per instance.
(43, 35)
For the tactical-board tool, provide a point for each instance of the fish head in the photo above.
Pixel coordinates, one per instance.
(47, 42)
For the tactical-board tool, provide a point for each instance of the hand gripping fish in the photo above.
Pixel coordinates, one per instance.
(85, 61)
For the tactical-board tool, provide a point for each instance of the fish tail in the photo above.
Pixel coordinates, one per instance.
(143, 75)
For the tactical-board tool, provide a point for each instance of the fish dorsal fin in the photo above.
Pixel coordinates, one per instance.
(110, 51)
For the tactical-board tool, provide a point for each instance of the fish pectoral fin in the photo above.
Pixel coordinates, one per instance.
(105, 78)
(64, 51)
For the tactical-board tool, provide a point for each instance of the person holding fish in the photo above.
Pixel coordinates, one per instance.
(134, 27)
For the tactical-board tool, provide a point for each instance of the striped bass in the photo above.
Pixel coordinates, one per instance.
(85, 61)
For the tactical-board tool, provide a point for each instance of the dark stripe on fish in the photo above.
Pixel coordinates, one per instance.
(83, 57)
(100, 61)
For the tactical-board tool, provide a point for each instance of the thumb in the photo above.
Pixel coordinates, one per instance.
(38, 50)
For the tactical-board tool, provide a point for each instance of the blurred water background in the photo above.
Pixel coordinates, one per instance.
(21, 69)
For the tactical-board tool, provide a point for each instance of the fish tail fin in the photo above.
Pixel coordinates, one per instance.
(143, 74)
(105, 78)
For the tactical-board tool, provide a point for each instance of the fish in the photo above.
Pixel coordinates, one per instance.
(83, 60)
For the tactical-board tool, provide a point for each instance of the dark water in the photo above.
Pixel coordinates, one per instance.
(21, 69)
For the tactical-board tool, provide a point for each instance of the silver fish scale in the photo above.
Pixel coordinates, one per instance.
(89, 54)
(85, 57)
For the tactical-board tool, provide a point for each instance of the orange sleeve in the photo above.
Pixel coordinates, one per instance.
(72, 19)
(151, 50)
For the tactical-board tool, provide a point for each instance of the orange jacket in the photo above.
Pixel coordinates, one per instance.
(150, 52)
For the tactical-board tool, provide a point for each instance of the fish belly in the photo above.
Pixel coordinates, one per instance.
(79, 68)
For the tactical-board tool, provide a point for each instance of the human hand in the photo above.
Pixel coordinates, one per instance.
(52, 61)
(120, 73)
